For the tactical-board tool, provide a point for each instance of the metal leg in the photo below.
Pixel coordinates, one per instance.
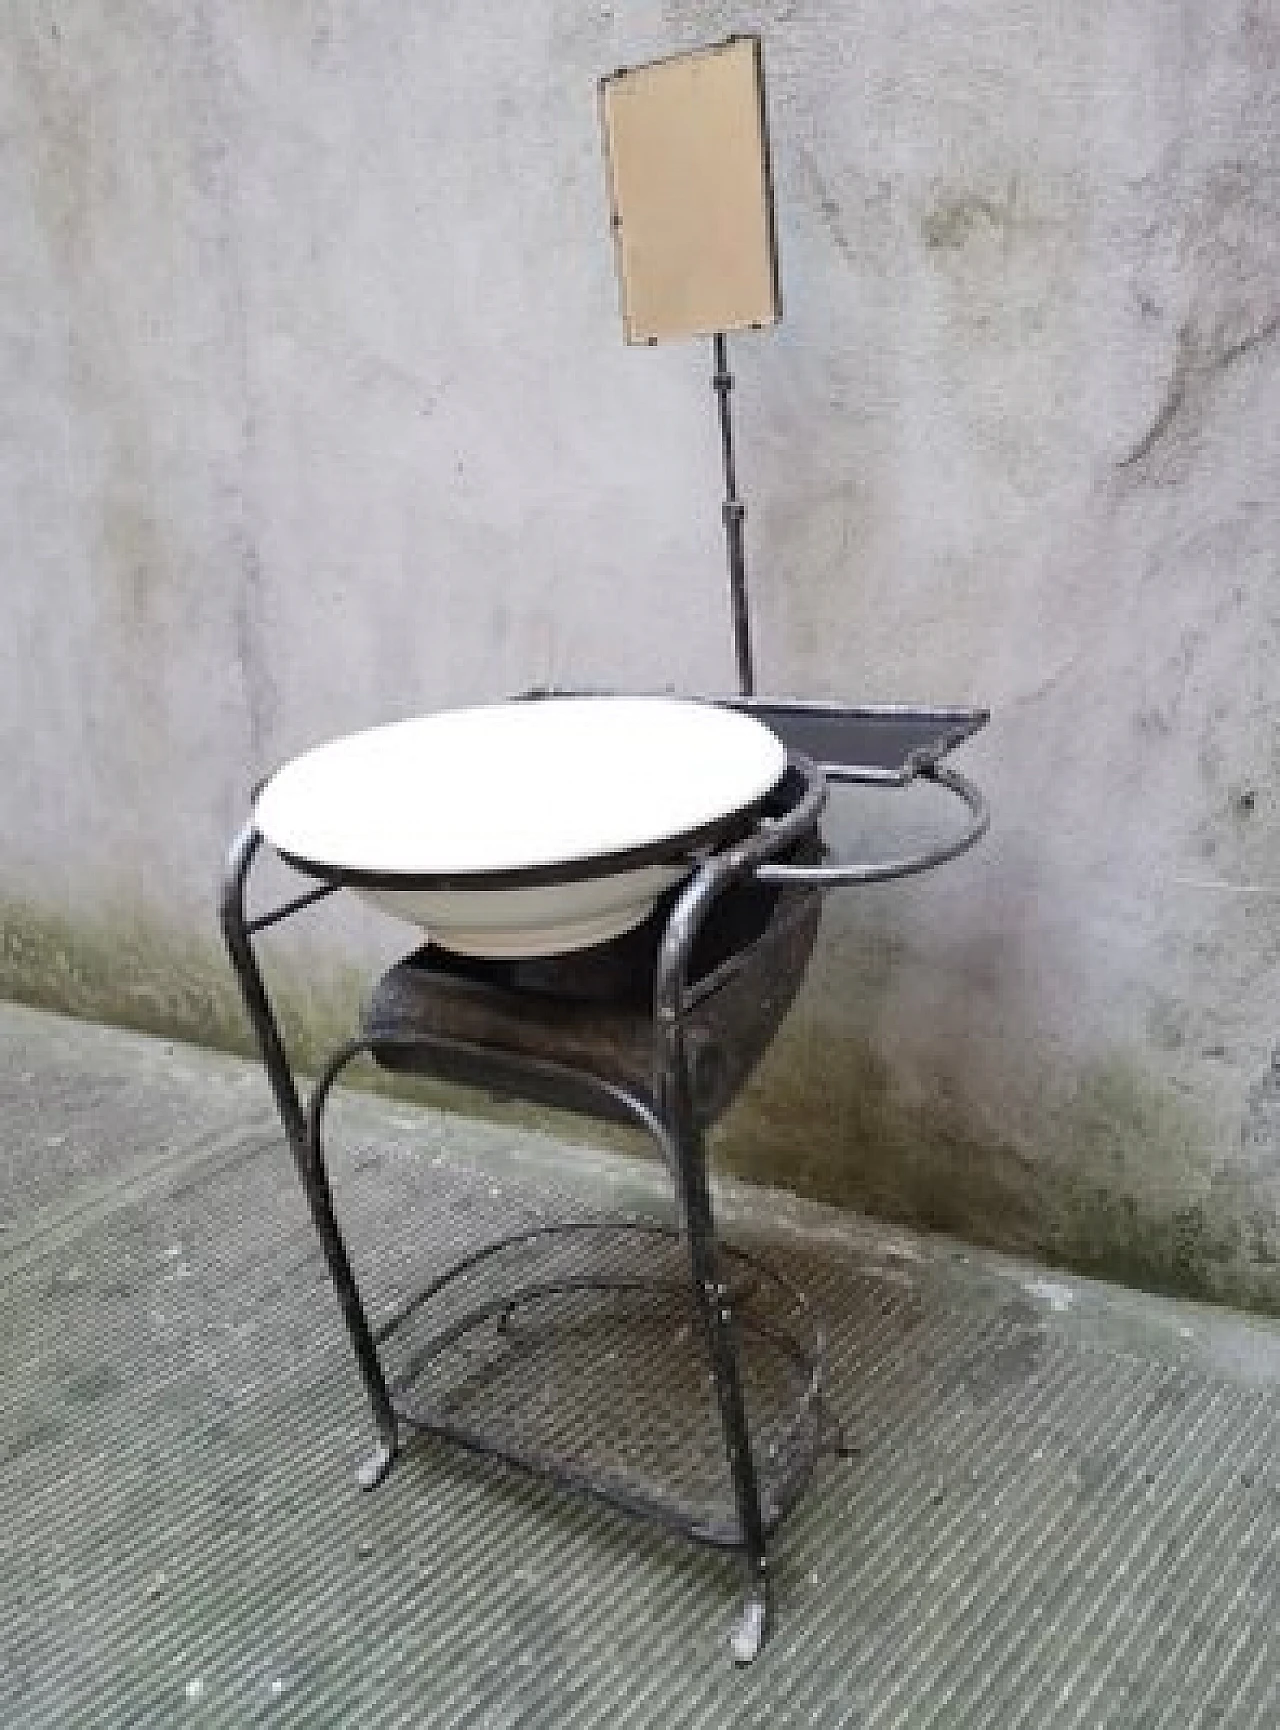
(752, 1625)
(302, 1131)
(375, 1468)
(715, 1306)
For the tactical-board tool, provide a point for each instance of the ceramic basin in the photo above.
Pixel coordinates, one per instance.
(523, 828)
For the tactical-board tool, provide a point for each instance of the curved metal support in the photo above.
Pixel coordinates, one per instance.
(236, 934)
(320, 1197)
(564, 1085)
(910, 865)
(715, 875)
(675, 1098)
(302, 1133)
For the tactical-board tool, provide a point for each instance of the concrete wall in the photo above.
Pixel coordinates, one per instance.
(316, 412)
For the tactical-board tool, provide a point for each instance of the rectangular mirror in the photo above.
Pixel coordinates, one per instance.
(690, 194)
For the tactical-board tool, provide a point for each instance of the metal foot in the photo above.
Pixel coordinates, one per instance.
(374, 1468)
(752, 1625)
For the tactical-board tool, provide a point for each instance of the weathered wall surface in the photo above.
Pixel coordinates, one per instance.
(315, 412)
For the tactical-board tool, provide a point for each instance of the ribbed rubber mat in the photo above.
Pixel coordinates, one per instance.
(1052, 1518)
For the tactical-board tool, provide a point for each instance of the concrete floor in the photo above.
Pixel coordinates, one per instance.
(1063, 1509)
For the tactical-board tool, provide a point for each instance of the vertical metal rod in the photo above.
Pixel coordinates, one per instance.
(734, 513)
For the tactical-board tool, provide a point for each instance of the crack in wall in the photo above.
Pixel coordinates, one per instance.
(1196, 365)
(828, 207)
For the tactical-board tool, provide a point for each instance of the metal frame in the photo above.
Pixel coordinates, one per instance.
(907, 865)
(674, 1127)
(669, 1119)
(753, 846)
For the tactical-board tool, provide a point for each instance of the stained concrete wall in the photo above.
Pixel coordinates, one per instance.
(316, 412)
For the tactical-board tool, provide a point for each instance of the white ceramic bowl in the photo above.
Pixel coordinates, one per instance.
(523, 828)
(547, 920)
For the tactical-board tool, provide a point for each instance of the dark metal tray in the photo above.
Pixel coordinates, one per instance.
(889, 743)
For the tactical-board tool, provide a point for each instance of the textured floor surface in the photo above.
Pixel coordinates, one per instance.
(1064, 1508)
